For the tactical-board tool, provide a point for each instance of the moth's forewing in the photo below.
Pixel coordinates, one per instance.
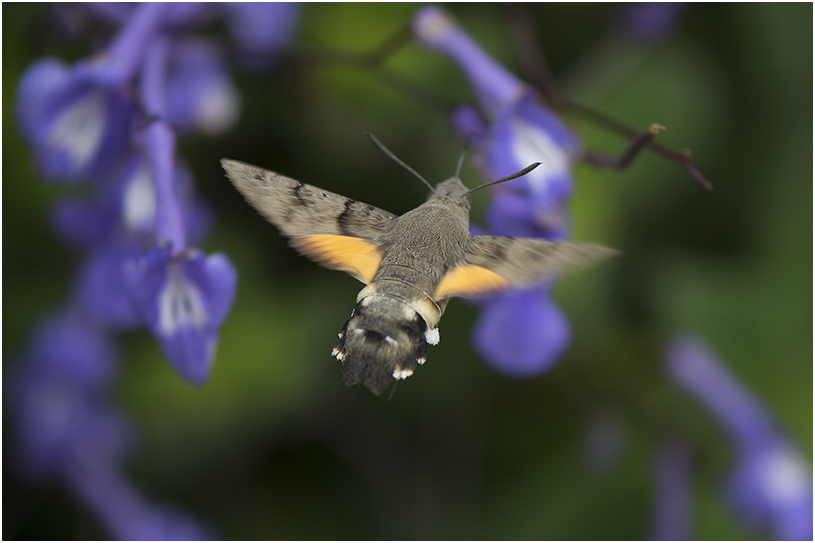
(299, 209)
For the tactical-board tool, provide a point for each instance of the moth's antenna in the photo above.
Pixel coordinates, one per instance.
(463, 153)
(507, 178)
(396, 159)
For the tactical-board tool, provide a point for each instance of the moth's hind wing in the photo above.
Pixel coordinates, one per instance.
(358, 257)
(494, 263)
(334, 231)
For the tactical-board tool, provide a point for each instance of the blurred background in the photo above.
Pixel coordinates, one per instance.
(275, 446)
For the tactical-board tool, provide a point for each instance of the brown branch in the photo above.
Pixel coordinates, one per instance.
(680, 157)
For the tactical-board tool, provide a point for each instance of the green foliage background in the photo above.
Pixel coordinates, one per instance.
(276, 447)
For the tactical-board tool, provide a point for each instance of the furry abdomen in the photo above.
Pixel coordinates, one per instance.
(384, 339)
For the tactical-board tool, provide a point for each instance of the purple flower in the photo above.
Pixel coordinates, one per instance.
(67, 429)
(522, 333)
(200, 93)
(114, 229)
(261, 29)
(514, 128)
(101, 289)
(125, 512)
(650, 21)
(673, 493)
(77, 126)
(58, 397)
(79, 118)
(134, 197)
(770, 483)
(183, 299)
(526, 133)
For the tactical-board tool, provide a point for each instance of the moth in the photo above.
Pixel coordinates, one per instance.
(411, 264)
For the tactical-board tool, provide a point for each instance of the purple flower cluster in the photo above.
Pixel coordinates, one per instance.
(523, 332)
(769, 484)
(109, 122)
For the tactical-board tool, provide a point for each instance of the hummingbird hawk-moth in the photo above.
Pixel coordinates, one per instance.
(411, 264)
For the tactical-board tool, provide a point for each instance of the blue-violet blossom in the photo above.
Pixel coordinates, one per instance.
(68, 430)
(650, 21)
(523, 332)
(769, 483)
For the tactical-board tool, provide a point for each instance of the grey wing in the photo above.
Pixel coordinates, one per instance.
(298, 209)
(525, 261)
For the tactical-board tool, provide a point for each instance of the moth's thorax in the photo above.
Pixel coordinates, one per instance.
(425, 242)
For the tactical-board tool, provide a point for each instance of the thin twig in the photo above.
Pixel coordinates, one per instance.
(634, 148)
(680, 157)
(530, 52)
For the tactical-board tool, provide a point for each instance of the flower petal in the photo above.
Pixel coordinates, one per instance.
(102, 288)
(496, 87)
(522, 333)
(77, 127)
(183, 301)
(261, 29)
(200, 93)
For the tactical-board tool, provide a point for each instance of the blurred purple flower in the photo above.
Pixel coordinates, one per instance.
(183, 299)
(175, 15)
(101, 289)
(770, 483)
(650, 21)
(673, 492)
(200, 93)
(518, 130)
(58, 394)
(78, 127)
(182, 296)
(67, 429)
(113, 229)
(89, 121)
(78, 119)
(135, 201)
(261, 29)
(83, 222)
(126, 514)
(522, 333)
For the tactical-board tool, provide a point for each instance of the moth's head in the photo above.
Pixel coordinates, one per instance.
(454, 189)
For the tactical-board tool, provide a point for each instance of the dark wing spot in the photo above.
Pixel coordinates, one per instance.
(343, 221)
(298, 194)
(499, 255)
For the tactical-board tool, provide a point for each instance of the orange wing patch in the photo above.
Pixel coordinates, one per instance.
(469, 280)
(356, 256)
